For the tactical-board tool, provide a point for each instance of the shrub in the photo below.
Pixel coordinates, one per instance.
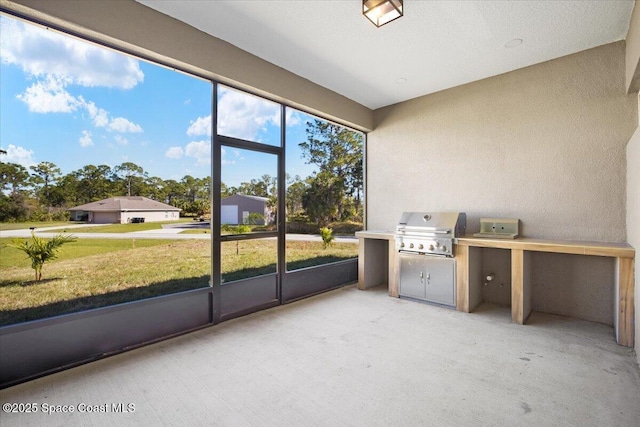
(339, 228)
(241, 229)
(346, 227)
(43, 214)
(61, 215)
(235, 229)
(302, 228)
(13, 208)
(255, 218)
(327, 236)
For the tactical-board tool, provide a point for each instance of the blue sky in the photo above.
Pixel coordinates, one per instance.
(72, 103)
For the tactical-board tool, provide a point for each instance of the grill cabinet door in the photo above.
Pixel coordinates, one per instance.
(412, 272)
(428, 278)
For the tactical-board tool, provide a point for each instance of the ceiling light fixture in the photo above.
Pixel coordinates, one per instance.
(382, 12)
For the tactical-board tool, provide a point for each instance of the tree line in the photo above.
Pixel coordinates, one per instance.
(333, 193)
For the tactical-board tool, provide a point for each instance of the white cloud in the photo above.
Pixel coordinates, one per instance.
(120, 140)
(122, 125)
(244, 116)
(174, 153)
(199, 150)
(293, 117)
(57, 62)
(43, 53)
(85, 139)
(99, 116)
(49, 96)
(200, 126)
(225, 161)
(19, 155)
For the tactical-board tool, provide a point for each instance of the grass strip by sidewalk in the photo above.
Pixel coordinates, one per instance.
(117, 228)
(6, 226)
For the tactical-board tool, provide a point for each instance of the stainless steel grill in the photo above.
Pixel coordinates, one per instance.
(425, 242)
(429, 233)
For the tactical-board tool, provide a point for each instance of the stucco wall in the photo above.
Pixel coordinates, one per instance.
(545, 144)
(633, 217)
(633, 52)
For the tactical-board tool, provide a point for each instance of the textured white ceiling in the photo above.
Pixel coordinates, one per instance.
(435, 46)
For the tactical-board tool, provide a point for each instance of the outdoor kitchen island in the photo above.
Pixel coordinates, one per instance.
(469, 278)
(378, 259)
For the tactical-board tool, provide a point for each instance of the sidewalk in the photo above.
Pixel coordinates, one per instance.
(163, 233)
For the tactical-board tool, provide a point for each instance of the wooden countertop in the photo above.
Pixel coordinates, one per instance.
(610, 249)
(618, 250)
(373, 234)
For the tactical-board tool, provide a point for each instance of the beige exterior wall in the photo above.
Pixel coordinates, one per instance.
(104, 217)
(545, 144)
(150, 216)
(132, 26)
(633, 218)
(633, 159)
(633, 52)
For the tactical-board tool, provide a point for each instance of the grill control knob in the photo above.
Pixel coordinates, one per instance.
(420, 246)
(411, 245)
(443, 248)
(402, 245)
(431, 247)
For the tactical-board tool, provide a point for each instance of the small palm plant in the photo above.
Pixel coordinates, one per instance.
(327, 236)
(41, 250)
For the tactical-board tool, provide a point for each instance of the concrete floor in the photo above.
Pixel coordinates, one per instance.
(355, 358)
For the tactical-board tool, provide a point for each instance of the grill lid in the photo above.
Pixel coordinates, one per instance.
(452, 224)
(432, 233)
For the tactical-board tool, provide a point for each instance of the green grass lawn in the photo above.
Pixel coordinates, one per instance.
(107, 228)
(92, 273)
(25, 225)
(118, 228)
(14, 258)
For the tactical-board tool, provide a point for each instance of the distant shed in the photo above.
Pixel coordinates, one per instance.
(237, 208)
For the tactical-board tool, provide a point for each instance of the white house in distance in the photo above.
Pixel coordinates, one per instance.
(124, 209)
(237, 208)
